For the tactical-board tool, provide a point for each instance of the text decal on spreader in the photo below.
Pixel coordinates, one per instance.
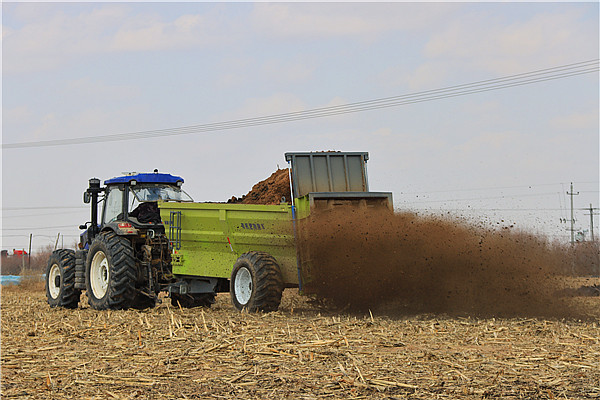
(255, 227)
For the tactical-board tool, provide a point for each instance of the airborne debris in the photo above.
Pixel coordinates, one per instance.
(404, 264)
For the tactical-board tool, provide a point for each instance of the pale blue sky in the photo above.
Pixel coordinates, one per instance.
(86, 69)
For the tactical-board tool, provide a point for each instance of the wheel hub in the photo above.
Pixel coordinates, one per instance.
(99, 275)
(54, 281)
(243, 286)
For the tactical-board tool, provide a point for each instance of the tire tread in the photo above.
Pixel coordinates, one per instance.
(68, 296)
(268, 281)
(121, 291)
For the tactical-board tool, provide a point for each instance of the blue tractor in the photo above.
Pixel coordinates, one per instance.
(124, 258)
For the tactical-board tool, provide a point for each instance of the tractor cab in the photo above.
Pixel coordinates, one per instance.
(131, 203)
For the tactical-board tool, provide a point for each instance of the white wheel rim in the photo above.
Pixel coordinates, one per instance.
(243, 286)
(99, 275)
(52, 275)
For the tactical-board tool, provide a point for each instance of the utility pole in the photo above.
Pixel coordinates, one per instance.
(594, 244)
(592, 221)
(572, 217)
(592, 214)
(29, 254)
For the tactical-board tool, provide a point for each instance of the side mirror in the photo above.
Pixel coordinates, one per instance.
(84, 226)
(86, 197)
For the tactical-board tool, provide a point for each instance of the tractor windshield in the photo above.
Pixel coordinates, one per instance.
(155, 192)
(143, 198)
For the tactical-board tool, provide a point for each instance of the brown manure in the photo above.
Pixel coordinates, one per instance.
(403, 264)
(269, 191)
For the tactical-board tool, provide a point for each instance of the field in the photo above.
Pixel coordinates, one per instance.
(299, 352)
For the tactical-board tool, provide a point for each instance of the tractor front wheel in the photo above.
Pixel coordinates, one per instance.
(256, 282)
(60, 280)
(110, 273)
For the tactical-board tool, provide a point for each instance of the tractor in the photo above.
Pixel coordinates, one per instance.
(123, 260)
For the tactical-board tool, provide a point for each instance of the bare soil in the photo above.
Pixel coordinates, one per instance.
(299, 352)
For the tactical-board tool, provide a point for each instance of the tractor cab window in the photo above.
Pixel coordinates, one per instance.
(155, 192)
(133, 202)
(113, 204)
(143, 200)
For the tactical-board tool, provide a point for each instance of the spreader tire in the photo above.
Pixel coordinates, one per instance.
(193, 300)
(256, 282)
(110, 273)
(60, 280)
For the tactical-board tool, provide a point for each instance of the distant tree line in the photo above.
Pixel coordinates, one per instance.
(21, 264)
(584, 261)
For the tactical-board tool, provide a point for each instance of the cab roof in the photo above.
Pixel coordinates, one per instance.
(146, 178)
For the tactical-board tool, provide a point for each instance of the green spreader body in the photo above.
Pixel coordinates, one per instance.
(208, 238)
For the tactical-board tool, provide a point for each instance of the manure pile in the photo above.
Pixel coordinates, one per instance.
(269, 191)
(298, 352)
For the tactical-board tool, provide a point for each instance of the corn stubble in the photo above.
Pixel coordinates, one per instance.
(294, 353)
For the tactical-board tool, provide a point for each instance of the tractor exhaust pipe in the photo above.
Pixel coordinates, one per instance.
(93, 191)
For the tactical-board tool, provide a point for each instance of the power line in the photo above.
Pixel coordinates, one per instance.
(37, 215)
(532, 186)
(40, 208)
(36, 235)
(38, 228)
(481, 198)
(487, 188)
(527, 78)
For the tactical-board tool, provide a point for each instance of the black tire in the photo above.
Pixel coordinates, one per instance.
(60, 280)
(110, 273)
(256, 282)
(193, 300)
(141, 302)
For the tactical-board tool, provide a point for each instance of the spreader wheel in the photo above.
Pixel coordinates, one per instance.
(256, 282)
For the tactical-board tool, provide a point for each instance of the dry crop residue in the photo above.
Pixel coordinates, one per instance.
(406, 264)
(297, 352)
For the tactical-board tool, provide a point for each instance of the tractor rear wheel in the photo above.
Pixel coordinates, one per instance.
(256, 282)
(142, 301)
(60, 280)
(110, 274)
(193, 300)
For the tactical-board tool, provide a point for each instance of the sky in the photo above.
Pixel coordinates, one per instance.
(498, 158)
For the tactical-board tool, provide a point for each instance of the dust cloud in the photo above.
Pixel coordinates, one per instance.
(364, 259)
